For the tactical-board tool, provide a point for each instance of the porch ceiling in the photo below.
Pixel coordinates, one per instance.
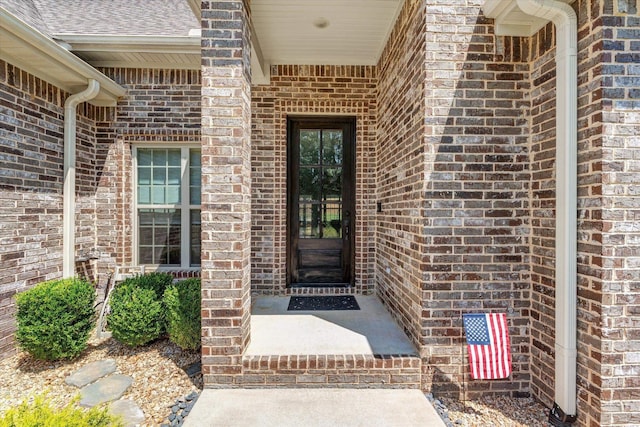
(328, 32)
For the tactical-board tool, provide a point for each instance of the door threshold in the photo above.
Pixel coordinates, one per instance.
(319, 285)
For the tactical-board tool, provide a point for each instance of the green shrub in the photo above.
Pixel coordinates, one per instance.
(156, 281)
(55, 318)
(182, 301)
(40, 412)
(136, 316)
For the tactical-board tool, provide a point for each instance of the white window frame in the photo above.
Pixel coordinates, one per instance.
(185, 207)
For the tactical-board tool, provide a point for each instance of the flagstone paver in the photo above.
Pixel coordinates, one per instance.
(105, 390)
(131, 413)
(91, 372)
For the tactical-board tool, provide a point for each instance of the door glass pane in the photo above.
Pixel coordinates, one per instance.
(331, 220)
(332, 184)
(309, 217)
(332, 147)
(310, 184)
(309, 147)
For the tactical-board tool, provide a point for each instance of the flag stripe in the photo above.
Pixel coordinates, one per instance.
(489, 357)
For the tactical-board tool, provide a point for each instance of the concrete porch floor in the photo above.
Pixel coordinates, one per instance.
(370, 330)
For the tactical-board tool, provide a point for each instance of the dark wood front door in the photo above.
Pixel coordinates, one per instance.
(320, 211)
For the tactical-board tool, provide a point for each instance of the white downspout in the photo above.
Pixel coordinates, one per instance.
(69, 189)
(565, 20)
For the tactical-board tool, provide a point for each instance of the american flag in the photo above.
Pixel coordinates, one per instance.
(488, 345)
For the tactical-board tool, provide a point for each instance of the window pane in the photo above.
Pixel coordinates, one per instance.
(195, 177)
(309, 147)
(173, 157)
(144, 195)
(173, 176)
(146, 254)
(144, 156)
(160, 157)
(144, 176)
(332, 147)
(157, 241)
(157, 195)
(173, 194)
(194, 157)
(195, 238)
(159, 176)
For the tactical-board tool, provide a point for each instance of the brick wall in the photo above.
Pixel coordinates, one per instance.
(615, 276)
(31, 178)
(456, 183)
(299, 90)
(226, 188)
(401, 154)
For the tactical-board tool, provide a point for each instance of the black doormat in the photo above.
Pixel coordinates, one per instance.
(323, 302)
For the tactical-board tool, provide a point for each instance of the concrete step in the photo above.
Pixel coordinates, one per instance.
(312, 408)
(333, 371)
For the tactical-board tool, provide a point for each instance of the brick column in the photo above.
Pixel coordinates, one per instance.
(226, 189)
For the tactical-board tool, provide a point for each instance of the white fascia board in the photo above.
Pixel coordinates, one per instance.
(52, 52)
(196, 8)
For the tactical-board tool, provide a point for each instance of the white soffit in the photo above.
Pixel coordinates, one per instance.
(510, 20)
(136, 51)
(328, 32)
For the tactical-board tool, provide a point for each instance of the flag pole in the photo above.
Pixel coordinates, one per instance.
(464, 375)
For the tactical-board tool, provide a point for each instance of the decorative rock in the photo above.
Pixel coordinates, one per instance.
(194, 369)
(131, 413)
(181, 408)
(91, 372)
(105, 390)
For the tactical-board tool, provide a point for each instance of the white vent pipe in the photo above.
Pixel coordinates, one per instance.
(69, 189)
(564, 18)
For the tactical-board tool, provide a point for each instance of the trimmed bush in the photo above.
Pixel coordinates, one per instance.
(156, 281)
(182, 301)
(136, 316)
(40, 412)
(55, 318)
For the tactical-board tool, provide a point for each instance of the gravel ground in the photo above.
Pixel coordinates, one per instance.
(157, 370)
(159, 380)
(493, 411)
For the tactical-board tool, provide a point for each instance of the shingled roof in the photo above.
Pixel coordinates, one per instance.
(28, 12)
(106, 17)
